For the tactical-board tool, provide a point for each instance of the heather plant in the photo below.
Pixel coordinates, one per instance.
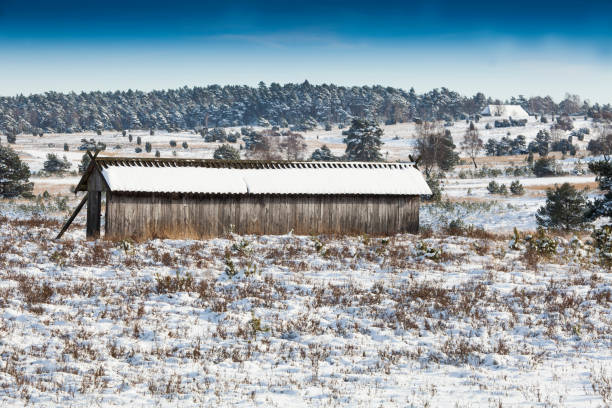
(172, 284)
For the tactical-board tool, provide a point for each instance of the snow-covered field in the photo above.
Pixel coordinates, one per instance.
(408, 321)
(399, 141)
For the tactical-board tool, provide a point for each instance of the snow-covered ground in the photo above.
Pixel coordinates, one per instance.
(407, 322)
(398, 141)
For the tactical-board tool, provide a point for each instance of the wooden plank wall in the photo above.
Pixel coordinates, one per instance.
(184, 216)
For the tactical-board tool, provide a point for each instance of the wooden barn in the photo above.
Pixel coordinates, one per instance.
(190, 198)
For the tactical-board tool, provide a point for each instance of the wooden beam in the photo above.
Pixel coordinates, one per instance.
(92, 160)
(72, 217)
(94, 202)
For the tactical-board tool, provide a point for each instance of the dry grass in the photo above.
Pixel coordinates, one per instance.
(580, 186)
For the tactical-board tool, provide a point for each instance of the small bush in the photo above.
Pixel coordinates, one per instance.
(232, 137)
(422, 250)
(495, 188)
(516, 188)
(455, 227)
(54, 164)
(541, 245)
(230, 268)
(173, 284)
(435, 185)
(602, 241)
(34, 293)
(173, 143)
(226, 152)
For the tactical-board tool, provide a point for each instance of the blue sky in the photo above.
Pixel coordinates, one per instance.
(500, 48)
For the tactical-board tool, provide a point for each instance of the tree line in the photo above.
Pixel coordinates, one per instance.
(301, 106)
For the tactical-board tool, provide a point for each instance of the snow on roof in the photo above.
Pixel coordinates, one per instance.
(398, 180)
(505, 111)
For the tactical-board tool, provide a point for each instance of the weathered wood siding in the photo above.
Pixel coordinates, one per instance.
(143, 216)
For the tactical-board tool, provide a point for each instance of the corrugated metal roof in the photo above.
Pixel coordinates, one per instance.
(266, 178)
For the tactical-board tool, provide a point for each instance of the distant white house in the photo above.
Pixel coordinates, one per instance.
(505, 111)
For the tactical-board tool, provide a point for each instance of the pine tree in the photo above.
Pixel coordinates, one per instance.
(226, 152)
(323, 154)
(157, 153)
(130, 137)
(435, 147)
(85, 160)
(14, 174)
(434, 181)
(185, 145)
(544, 167)
(603, 144)
(363, 141)
(564, 209)
(602, 206)
(54, 164)
(493, 187)
(542, 142)
(148, 147)
(138, 141)
(66, 148)
(516, 188)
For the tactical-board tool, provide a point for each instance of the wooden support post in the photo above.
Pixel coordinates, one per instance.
(72, 217)
(94, 206)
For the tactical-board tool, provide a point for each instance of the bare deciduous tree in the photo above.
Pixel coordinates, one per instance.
(293, 146)
(472, 144)
(499, 110)
(267, 148)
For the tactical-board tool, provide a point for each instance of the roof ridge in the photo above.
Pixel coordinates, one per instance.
(106, 161)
